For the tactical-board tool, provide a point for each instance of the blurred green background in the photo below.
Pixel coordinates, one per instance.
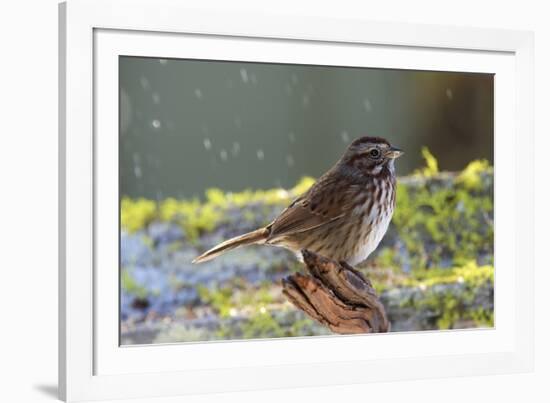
(210, 150)
(188, 125)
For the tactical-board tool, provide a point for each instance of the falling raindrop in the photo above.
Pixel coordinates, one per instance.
(290, 160)
(198, 93)
(207, 143)
(345, 136)
(305, 100)
(367, 105)
(156, 124)
(156, 98)
(260, 154)
(144, 82)
(163, 61)
(137, 171)
(449, 93)
(244, 75)
(235, 149)
(223, 155)
(292, 137)
(126, 111)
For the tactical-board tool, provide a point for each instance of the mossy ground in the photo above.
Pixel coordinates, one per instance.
(434, 269)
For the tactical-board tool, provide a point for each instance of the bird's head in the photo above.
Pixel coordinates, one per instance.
(371, 155)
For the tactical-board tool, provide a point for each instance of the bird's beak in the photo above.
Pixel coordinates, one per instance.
(393, 153)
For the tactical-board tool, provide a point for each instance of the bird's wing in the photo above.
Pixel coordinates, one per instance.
(315, 208)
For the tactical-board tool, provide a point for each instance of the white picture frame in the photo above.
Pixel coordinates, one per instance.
(93, 33)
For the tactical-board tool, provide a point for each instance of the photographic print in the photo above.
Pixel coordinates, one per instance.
(263, 200)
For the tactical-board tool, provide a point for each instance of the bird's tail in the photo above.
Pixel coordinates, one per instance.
(241, 240)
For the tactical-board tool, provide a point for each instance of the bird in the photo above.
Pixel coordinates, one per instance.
(344, 214)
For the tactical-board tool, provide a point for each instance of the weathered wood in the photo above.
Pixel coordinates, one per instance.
(337, 296)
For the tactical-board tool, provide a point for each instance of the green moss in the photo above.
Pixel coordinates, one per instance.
(220, 299)
(434, 266)
(470, 274)
(482, 317)
(237, 297)
(446, 218)
(448, 296)
(443, 220)
(442, 230)
(302, 327)
(129, 285)
(450, 310)
(194, 217)
(432, 167)
(249, 306)
(261, 325)
(470, 177)
(197, 217)
(263, 296)
(136, 214)
(386, 258)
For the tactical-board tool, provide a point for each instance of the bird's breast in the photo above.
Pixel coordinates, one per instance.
(373, 218)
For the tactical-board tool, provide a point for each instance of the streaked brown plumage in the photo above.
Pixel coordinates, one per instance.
(343, 216)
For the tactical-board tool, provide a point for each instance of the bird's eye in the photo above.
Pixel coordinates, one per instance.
(374, 153)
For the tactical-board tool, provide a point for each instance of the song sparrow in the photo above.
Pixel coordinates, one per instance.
(343, 216)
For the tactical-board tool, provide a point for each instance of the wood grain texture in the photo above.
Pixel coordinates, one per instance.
(337, 296)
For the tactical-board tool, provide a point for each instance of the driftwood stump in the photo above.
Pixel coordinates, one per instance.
(337, 296)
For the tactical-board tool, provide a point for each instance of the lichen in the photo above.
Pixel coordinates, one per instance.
(136, 214)
(262, 324)
(448, 298)
(130, 285)
(471, 177)
(197, 217)
(431, 168)
(433, 270)
(193, 216)
(470, 274)
(447, 219)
